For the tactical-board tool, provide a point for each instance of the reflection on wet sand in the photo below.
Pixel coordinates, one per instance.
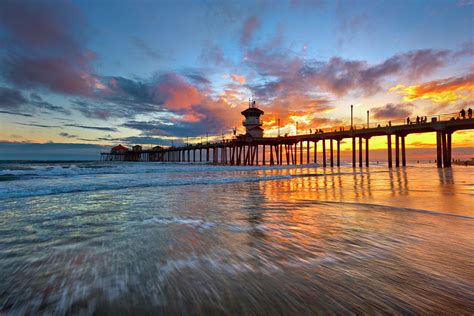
(423, 188)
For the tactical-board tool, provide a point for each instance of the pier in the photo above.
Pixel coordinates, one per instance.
(254, 149)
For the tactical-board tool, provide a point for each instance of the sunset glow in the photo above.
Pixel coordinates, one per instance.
(77, 78)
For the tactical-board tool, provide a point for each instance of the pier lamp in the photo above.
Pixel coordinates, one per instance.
(296, 128)
(278, 127)
(367, 118)
(352, 116)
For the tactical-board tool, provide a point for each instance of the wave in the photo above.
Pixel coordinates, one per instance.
(17, 190)
(67, 170)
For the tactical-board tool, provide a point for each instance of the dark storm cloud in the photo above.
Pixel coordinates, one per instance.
(392, 111)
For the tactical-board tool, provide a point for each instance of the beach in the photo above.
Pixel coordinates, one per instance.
(147, 238)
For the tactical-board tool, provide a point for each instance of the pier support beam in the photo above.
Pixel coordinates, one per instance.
(280, 152)
(338, 152)
(301, 152)
(324, 153)
(439, 155)
(389, 150)
(360, 152)
(367, 152)
(307, 152)
(397, 151)
(332, 153)
(445, 150)
(404, 159)
(353, 152)
(315, 152)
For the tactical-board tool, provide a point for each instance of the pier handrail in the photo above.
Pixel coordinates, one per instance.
(386, 123)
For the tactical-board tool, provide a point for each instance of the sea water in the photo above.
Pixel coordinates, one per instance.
(148, 238)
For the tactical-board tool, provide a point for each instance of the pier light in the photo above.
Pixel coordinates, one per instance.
(368, 119)
(352, 116)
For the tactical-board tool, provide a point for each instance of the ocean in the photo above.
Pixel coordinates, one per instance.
(155, 238)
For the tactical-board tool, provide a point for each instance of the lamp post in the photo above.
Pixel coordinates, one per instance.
(367, 118)
(296, 128)
(352, 116)
(278, 127)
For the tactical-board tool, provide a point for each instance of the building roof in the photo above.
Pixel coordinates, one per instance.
(119, 147)
(252, 111)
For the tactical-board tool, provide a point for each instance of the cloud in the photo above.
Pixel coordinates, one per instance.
(238, 78)
(213, 54)
(250, 26)
(67, 135)
(392, 111)
(282, 71)
(11, 98)
(47, 52)
(441, 91)
(38, 125)
(98, 128)
(145, 48)
(16, 113)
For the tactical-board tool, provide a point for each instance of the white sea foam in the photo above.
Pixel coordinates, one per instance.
(95, 182)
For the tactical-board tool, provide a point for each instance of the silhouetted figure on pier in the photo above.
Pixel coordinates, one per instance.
(417, 120)
(463, 114)
(408, 120)
(469, 113)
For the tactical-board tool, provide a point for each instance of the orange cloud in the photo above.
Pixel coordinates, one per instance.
(238, 78)
(438, 91)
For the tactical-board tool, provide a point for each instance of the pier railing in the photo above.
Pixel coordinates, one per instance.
(386, 123)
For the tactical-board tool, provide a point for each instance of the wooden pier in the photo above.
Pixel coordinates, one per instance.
(290, 150)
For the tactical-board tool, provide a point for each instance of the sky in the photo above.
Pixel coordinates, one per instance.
(92, 74)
